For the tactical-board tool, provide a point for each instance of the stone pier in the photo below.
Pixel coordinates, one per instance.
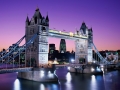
(39, 75)
(88, 69)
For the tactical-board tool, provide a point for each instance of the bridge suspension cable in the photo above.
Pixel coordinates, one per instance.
(20, 50)
(99, 55)
(24, 47)
(8, 51)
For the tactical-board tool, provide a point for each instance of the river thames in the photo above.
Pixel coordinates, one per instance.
(67, 81)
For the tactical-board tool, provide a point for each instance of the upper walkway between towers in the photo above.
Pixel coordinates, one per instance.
(66, 35)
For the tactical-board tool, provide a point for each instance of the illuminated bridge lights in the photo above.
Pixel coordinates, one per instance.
(70, 34)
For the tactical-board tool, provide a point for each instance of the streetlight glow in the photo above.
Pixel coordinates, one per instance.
(72, 60)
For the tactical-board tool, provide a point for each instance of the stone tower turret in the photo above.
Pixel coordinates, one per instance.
(37, 52)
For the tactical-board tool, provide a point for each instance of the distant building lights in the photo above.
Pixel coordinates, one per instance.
(92, 69)
(71, 34)
(94, 61)
(68, 68)
(98, 69)
(59, 31)
(42, 72)
(49, 72)
(101, 66)
(72, 60)
(55, 62)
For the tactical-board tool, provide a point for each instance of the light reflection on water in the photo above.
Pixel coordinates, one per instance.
(93, 83)
(54, 87)
(17, 84)
(41, 73)
(42, 87)
(67, 81)
(68, 77)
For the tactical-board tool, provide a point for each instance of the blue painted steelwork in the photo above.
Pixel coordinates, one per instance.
(24, 47)
(104, 61)
(14, 47)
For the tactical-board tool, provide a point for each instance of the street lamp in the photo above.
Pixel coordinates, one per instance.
(72, 60)
(94, 61)
(92, 69)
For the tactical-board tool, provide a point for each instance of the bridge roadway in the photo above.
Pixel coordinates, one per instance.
(65, 35)
(66, 65)
(15, 70)
(25, 69)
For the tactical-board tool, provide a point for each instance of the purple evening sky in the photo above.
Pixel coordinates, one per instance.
(102, 15)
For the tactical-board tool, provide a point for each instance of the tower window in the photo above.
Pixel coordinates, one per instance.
(32, 31)
(35, 20)
(43, 29)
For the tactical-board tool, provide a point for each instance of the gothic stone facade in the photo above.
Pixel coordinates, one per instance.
(37, 52)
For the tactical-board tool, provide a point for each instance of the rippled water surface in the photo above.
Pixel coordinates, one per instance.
(67, 81)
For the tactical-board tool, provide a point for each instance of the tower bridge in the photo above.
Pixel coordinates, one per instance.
(38, 24)
(36, 37)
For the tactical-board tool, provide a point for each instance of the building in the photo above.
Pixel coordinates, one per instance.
(51, 48)
(51, 51)
(112, 55)
(62, 48)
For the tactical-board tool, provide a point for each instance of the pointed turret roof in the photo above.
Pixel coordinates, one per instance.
(83, 26)
(27, 19)
(37, 13)
(37, 9)
(83, 23)
(91, 29)
(47, 17)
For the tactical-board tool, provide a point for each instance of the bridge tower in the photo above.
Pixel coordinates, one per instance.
(81, 45)
(90, 46)
(37, 52)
